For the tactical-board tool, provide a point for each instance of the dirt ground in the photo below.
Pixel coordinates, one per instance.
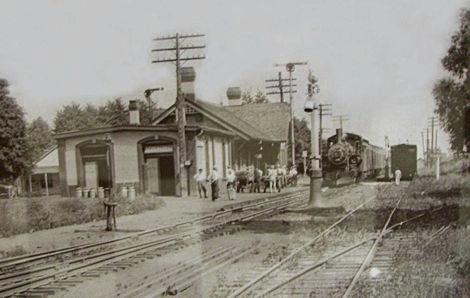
(274, 238)
(174, 210)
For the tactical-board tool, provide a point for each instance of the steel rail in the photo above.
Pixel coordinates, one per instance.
(367, 261)
(243, 289)
(316, 266)
(225, 256)
(7, 263)
(372, 252)
(102, 258)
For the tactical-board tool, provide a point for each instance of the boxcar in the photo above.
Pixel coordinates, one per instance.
(405, 158)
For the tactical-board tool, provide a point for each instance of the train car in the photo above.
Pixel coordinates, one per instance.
(405, 158)
(348, 158)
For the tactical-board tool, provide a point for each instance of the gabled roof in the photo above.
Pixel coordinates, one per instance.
(230, 118)
(272, 119)
(268, 122)
(50, 158)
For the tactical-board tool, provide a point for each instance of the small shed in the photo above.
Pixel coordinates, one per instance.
(44, 177)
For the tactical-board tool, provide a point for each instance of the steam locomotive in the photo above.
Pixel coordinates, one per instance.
(348, 158)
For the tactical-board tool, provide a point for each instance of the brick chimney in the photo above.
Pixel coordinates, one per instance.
(188, 76)
(134, 114)
(234, 95)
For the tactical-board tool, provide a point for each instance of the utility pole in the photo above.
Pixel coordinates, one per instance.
(279, 86)
(290, 67)
(387, 158)
(424, 148)
(432, 122)
(427, 147)
(325, 110)
(178, 49)
(341, 118)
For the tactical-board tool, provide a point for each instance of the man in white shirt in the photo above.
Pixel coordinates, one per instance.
(397, 177)
(201, 183)
(231, 178)
(214, 181)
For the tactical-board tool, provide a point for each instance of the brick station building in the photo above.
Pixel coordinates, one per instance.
(146, 157)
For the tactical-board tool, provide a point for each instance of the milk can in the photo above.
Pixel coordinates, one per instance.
(92, 193)
(100, 193)
(123, 192)
(131, 192)
(85, 192)
(78, 192)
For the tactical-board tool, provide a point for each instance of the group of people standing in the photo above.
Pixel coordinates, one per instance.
(213, 180)
(275, 179)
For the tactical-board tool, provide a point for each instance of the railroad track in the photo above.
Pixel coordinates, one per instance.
(43, 274)
(335, 274)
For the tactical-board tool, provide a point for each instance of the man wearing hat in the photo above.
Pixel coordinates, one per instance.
(214, 181)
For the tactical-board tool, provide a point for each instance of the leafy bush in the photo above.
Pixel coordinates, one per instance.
(447, 186)
(29, 214)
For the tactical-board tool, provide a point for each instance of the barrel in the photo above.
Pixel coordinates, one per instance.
(85, 192)
(78, 192)
(131, 193)
(100, 192)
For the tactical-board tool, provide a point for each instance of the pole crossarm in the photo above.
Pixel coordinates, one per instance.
(277, 92)
(179, 36)
(281, 86)
(290, 67)
(290, 64)
(277, 80)
(181, 59)
(183, 181)
(181, 48)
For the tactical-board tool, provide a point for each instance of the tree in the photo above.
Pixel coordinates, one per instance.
(302, 140)
(74, 117)
(452, 93)
(147, 115)
(114, 113)
(70, 117)
(39, 137)
(14, 153)
(259, 97)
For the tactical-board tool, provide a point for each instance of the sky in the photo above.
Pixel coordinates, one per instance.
(376, 60)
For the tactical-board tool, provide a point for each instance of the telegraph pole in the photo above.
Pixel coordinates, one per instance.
(387, 158)
(290, 67)
(279, 86)
(325, 110)
(427, 147)
(178, 49)
(341, 118)
(424, 148)
(432, 123)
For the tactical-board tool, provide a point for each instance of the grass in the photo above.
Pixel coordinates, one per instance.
(438, 270)
(25, 215)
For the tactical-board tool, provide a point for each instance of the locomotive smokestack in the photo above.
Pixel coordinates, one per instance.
(339, 135)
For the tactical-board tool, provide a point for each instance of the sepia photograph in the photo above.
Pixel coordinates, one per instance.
(305, 148)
